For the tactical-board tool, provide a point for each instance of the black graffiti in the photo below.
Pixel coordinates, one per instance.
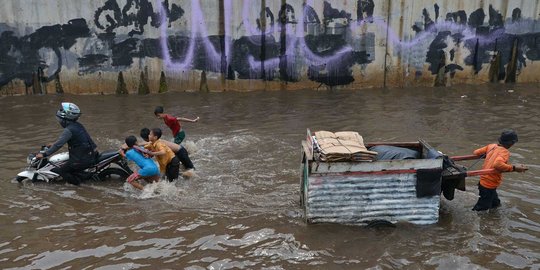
(494, 42)
(452, 69)
(122, 52)
(338, 70)
(364, 10)
(436, 51)
(459, 17)
(112, 17)
(92, 63)
(268, 16)
(428, 22)
(244, 46)
(335, 73)
(134, 14)
(476, 19)
(20, 57)
(501, 45)
(286, 14)
(531, 43)
(495, 18)
(516, 15)
(310, 15)
(330, 13)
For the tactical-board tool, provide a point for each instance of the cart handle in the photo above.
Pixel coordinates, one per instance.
(481, 172)
(467, 157)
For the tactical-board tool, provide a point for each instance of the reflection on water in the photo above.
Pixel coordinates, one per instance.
(242, 210)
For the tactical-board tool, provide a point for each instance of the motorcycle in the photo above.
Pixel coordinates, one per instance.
(109, 164)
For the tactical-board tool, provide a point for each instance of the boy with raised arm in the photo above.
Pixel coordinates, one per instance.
(174, 123)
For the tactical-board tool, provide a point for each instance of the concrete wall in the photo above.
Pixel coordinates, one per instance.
(81, 46)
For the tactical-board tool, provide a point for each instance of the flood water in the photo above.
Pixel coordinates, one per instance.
(242, 209)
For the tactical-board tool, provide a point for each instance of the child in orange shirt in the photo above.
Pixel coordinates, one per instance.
(180, 152)
(496, 157)
(168, 162)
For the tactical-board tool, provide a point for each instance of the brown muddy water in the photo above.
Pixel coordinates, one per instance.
(242, 210)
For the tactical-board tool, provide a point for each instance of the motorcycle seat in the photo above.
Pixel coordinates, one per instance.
(106, 155)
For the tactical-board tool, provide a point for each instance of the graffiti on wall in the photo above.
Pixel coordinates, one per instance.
(489, 43)
(286, 44)
(304, 40)
(22, 56)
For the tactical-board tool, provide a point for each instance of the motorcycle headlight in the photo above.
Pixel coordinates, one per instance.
(29, 158)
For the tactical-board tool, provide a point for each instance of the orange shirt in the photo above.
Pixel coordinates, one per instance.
(162, 160)
(496, 158)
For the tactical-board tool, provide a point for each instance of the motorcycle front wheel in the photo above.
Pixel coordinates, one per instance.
(113, 173)
(21, 178)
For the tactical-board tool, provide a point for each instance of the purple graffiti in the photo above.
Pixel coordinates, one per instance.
(198, 30)
(228, 18)
(296, 38)
(293, 41)
(251, 30)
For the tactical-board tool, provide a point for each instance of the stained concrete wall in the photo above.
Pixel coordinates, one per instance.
(80, 46)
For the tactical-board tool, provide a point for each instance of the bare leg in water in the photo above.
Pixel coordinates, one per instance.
(132, 179)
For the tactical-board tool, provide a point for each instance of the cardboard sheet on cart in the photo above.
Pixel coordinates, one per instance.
(342, 146)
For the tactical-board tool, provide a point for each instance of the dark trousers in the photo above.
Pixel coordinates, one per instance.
(70, 170)
(172, 169)
(488, 199)
(183, 156)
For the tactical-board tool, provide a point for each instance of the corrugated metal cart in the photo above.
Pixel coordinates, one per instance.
(364, 192)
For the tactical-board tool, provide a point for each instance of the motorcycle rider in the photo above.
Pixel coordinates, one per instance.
(82, 149)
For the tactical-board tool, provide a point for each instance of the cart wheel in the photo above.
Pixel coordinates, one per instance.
(380, 223)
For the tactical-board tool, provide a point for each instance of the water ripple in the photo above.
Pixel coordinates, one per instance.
(242, 210)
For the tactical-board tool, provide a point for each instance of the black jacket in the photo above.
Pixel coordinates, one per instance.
(82, 149)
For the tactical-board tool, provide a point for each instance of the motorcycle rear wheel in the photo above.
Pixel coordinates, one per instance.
(113, 173)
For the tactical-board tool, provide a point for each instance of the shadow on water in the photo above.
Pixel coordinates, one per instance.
(242, 210)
